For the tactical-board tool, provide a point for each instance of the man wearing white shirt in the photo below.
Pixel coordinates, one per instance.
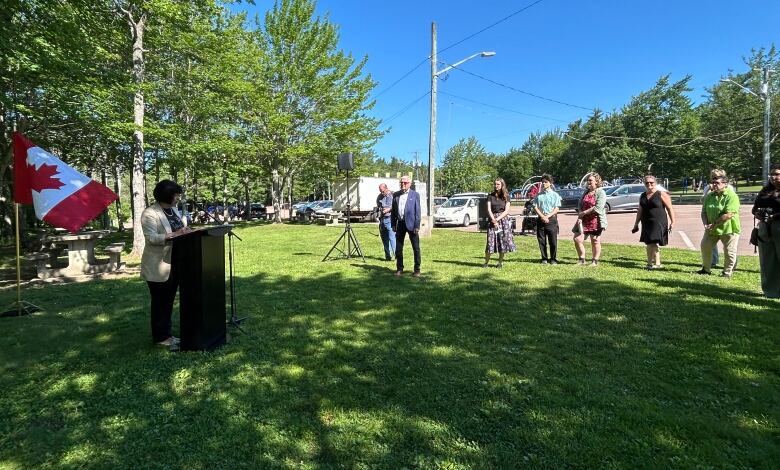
(406, 218)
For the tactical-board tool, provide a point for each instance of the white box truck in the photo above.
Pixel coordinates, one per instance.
(363, 191)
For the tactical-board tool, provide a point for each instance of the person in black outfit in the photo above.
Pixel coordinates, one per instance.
(767, 210)
(654, 205)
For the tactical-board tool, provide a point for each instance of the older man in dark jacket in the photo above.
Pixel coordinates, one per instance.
(406, 218)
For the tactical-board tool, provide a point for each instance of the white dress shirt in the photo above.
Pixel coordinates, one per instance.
(402, 204)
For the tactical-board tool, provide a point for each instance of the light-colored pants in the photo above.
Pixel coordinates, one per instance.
(710, 241)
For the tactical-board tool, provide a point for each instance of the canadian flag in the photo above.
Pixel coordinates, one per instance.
(61, 195)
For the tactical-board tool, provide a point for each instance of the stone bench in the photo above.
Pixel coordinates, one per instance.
(40, 260)
(114, 251)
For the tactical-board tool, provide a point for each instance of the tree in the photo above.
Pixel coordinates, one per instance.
(310, 96)
(514, 167)
(734, 118)
(465, 168)
(661, 123)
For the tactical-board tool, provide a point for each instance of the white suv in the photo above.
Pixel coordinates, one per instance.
(458, 210)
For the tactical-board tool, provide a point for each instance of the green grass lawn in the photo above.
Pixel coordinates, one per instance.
(346, 366)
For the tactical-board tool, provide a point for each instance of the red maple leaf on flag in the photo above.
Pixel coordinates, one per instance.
(43, 177)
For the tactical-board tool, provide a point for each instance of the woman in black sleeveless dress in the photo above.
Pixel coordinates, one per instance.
(654, 205)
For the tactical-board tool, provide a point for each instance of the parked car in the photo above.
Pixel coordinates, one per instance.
(257, 210)
(324, 209)
(626, 197)
(570, 197)
(460, 209)
(609, 189)
(438, 201)
(316, 205)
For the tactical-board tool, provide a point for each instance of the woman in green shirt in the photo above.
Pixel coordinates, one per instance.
(720, 216)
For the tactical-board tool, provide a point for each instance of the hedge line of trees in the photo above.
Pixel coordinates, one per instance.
(233, 108)
(660, 126)
(251, 109)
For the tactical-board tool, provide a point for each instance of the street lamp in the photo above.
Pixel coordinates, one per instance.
(432, 139)
(763, 95)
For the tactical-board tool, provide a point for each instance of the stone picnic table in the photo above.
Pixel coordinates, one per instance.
(81, 255)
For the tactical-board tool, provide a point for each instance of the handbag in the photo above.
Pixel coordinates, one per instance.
(754, 236)
(577, 229)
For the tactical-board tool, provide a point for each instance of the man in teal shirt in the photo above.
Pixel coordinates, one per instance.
(546, 205)
(720, 216)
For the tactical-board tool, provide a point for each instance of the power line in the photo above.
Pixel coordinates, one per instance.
(402, 77)
(523, 91)
(455, 44)
(502, 108)
(492, 25)
(710, 138)
(405, 108)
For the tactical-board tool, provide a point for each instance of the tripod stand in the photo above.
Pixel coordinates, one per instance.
(347, 238)
(234, 320)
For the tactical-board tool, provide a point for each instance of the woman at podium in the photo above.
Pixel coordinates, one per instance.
(160, 222)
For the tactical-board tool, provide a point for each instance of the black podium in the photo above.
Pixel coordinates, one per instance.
(199, 257)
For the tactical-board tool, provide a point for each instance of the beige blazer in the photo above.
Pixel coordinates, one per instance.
(156, 259)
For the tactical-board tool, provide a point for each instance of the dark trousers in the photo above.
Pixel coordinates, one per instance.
(414, 239)
(548, 233)
(163, 294)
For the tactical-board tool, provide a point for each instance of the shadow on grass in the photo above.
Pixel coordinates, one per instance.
(356, 368)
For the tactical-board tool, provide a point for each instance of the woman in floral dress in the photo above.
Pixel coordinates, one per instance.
(499, 236)
(591, 219)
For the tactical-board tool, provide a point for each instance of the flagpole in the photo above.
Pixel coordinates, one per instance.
(22, 307)
(18, 264)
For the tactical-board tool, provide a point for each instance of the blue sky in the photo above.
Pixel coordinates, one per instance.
(590, 53)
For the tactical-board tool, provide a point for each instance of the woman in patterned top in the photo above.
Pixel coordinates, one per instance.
(591, 219)
(499, 236)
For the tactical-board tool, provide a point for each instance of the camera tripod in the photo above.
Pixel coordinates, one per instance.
(347, 244)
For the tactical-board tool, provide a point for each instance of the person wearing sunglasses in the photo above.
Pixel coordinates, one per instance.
(767, 210)
(720, 217)
(405, 218)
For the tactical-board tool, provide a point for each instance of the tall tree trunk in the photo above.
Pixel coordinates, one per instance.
(105, 217)
(276, 188)
(290, 214)
(247, 201)
(185, 210)
(118, 191)
(225, 210)
(139, 182)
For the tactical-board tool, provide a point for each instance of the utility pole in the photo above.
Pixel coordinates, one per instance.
(432, 135)
(767, 109)
(764, 95)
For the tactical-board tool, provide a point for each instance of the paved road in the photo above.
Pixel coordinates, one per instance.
(687, 231)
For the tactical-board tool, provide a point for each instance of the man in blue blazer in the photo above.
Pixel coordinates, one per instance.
(405, 218)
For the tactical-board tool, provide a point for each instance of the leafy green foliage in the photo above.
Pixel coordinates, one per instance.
(465, 168)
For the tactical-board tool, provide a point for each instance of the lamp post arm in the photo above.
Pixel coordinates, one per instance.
(728, 80)
(450, 67)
